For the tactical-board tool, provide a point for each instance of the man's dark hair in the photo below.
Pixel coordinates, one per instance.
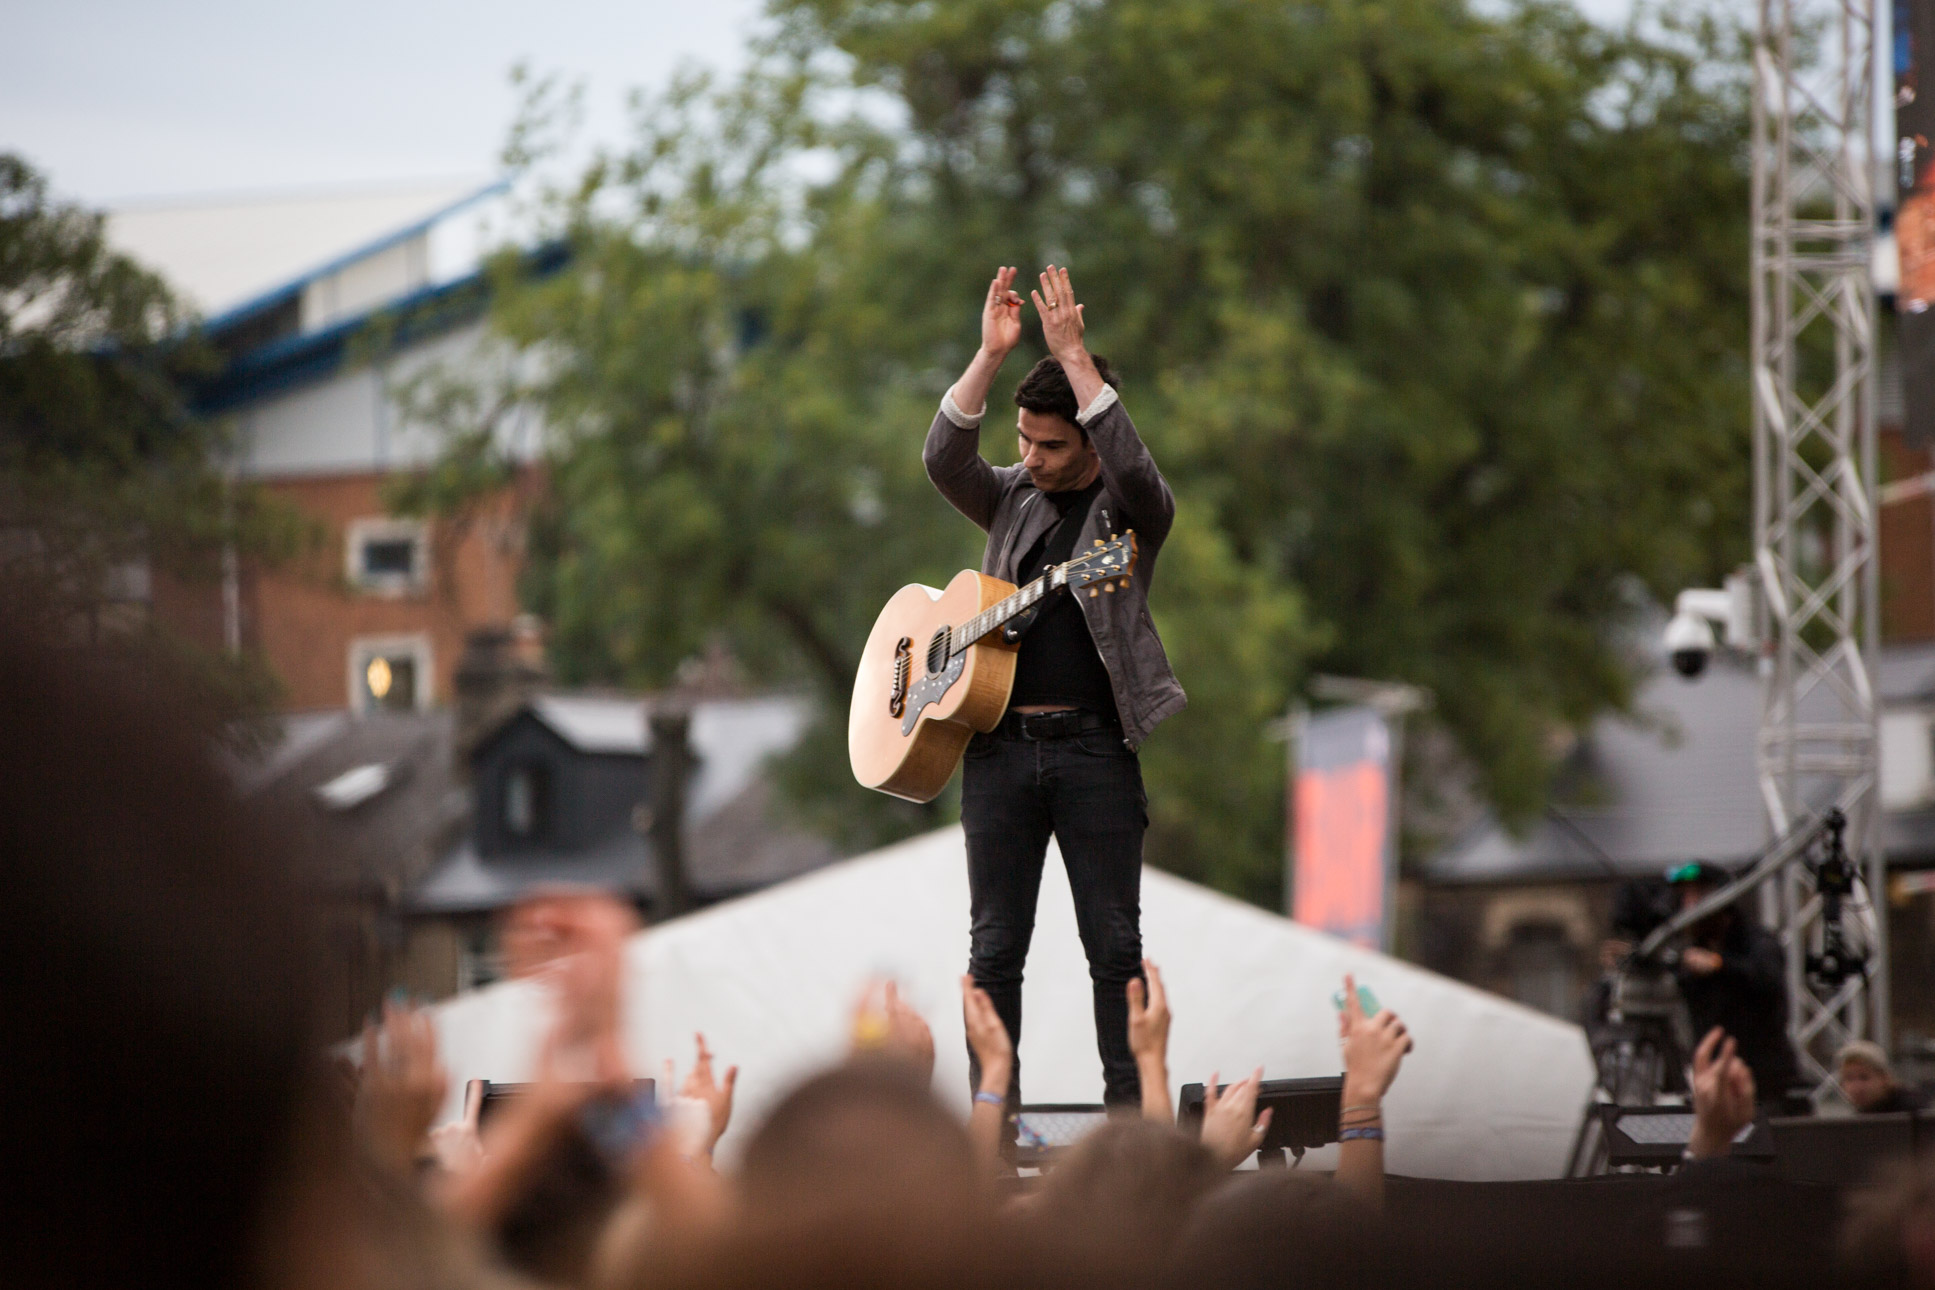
(1046, 389)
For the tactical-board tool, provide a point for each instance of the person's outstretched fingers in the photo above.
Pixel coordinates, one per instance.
(1703, 1054)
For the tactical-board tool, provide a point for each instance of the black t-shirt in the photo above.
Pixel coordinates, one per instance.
(1747, 997)
(1058, 661)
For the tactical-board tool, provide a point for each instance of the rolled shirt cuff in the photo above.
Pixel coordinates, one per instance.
(962, 420)
(1097, 406)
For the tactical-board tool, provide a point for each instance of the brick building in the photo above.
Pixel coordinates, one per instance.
(375, 614)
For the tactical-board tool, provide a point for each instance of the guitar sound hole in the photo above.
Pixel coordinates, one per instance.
(937, 651)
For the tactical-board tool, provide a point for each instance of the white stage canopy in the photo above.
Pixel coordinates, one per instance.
(1493, 1090)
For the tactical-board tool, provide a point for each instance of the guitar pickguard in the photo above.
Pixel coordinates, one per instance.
(929, 689)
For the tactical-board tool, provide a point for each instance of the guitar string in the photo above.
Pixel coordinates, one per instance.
(960, 638)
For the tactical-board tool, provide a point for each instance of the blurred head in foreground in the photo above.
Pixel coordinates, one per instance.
(857, 1178)
(157, 1003)
(1112, 1211)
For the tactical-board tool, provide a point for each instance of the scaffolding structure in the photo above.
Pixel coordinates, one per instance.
(1813, 354)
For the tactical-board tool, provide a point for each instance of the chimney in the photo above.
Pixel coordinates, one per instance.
(671, 769)
(501, 668)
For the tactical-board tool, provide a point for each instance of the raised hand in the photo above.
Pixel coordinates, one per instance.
(458, 1147)
(986, 1034)
(884, 1022)
(1231, 1127)
(588, 978)
(1001, 315)
(1723, 1096)
(1700, 962)
(574, 941)
(1374, 1047)
(1149, 1016)
(715, 1094)
(1061, 317)
(908, 1032)
(402, 1086)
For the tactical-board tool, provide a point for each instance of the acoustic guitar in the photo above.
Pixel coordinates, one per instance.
(939, 666)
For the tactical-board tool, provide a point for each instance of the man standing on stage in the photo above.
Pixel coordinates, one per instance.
(1091, 679)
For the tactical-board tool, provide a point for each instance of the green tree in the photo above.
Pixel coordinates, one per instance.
(103, 464)
(1435, 319)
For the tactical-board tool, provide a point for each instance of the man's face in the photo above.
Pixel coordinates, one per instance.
(1056, 454)
(1864, 1085)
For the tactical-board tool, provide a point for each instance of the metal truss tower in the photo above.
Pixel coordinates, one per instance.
(1815, 524)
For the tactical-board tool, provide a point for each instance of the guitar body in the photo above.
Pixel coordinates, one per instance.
(913, 752)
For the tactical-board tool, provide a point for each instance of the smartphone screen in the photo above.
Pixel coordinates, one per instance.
(618, 1126)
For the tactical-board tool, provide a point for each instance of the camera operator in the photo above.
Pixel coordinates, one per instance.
(1732, 974)
(1639, 906)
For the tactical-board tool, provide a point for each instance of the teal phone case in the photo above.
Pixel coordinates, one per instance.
(1365, 1000)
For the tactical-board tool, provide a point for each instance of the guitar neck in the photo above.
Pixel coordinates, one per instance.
(1020, 601)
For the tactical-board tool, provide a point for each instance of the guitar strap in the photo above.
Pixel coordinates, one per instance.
(1054, 547)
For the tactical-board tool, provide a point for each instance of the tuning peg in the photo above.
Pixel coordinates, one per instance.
(1098, 541)
(1125, 584)
(1109, 587)
(1093, 593)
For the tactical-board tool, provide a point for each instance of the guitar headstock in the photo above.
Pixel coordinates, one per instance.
(1107, 562)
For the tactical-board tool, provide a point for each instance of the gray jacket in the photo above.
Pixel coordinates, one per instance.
(1005, 502)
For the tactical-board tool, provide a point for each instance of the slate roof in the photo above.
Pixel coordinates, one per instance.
(394, 825)
(1673, 783)
(737, 838)
(366, 844)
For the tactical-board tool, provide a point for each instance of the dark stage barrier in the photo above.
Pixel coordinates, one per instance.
(1731, 1222)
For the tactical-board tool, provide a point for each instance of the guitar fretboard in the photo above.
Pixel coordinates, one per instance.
(1002, 610)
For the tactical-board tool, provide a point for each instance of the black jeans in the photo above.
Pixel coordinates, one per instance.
(1087, 791)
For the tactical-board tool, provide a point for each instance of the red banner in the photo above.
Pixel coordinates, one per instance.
(1343, 844)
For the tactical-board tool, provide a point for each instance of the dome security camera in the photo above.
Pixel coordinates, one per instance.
(1689, 643)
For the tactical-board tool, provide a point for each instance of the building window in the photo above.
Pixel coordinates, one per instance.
(527, 801)
(1543, 969)
(389, 557)
(389, 674)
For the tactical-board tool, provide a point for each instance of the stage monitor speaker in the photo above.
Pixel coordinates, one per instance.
(1303, 1113)
(1842, 1150)
(1043, 1130)
(1656, 1136)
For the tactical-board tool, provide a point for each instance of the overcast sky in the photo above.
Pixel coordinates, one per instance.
(131, 99)
(119, 99)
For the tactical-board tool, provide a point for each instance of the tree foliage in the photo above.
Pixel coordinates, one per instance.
(1434, 316)
(103, 464)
